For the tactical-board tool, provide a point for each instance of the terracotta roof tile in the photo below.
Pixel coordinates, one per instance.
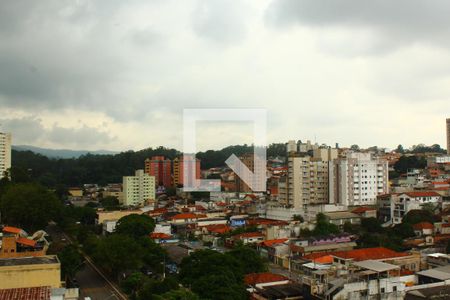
(270, 243)
(31, 293)
(257, 278)
(369, 253)
(423, 225)
(10, 229)
(26, 242)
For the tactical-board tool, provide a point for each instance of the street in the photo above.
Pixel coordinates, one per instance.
(92, 282)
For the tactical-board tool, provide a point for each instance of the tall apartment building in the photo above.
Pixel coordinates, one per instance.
(307, 179)
(138, 189)
(161, 169)
(358, 179)
(250, 162)
(448, 136)
(5, 153)
(180, 166)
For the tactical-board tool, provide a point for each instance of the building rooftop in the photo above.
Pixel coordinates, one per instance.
(20, 261)
(377, 253)
(440, 273)
(30, 293)
(335, 215)
(376, 266)
(257, 278)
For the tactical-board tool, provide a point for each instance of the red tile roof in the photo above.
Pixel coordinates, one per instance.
(270, 243)
(377, 253)
(423, 225)
(159, 236)
(261, 221)
(186, 216)
(218, 228)
(362, 209)
(10, 229)
(26, 242)
(248, 235)
(257, 278)
(31, 293)
(423, 194)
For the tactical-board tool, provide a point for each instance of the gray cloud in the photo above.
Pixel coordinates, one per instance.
(222, 21)
(30, 129)
(393, 23)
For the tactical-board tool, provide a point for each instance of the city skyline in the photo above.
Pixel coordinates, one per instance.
(124, 73)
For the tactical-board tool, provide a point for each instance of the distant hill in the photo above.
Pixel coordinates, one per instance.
(59, 153)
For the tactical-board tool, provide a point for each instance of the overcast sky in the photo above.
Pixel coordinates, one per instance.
(117, 74)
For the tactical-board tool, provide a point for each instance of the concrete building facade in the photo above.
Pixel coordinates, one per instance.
(5, 153)
(180, 166)
(138, 189)
(358, 179)
(161, 169)
(307, 180)
(448, 135)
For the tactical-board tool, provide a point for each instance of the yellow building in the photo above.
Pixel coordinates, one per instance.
(30, 271)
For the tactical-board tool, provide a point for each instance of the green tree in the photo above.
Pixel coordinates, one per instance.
(213, 275)
(134, 283)
(249, 259)
(371, 225)
(118, 253)
(29, 206)
(110, 203)
(135, 225)
(323, 226)
(71, 260)
(418, 215)
(180, 294)
(400, 149)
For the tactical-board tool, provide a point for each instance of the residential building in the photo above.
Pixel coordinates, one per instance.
(24, 272)
(402, 203)
(358, 179)
(15, 242)
(448, 136)
(252, 162)
(161, 169)
(5, 153)
(180, 166)
(307, 180)
(138, 189)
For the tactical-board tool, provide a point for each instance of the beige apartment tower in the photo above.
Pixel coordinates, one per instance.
(5, 153)
(448, 136)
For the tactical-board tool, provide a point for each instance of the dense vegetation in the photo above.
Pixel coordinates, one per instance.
(102, 169)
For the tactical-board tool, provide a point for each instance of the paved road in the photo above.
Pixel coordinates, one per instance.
(93, 285)
(90, 279)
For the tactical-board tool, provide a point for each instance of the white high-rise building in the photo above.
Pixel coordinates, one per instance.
(5, 153)
(138, 189)
(357, 179)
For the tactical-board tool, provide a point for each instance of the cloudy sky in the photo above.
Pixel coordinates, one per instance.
(117, 74)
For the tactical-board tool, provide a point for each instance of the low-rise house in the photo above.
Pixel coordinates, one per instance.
(15, 242)
(402, 203)
(24, 272)
(434, 260)
(330, 243)
(339, 218)
(423, 228)
(247, 238)
(260, 280)
(276, 251)
(438, 274)
(186, 218)
(365, 212)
